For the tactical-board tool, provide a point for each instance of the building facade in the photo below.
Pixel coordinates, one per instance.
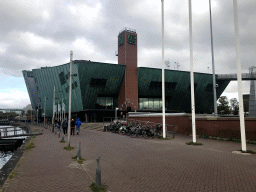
(99, 88)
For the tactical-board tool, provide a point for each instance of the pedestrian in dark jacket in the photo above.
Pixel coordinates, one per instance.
(65, 126)
(78, 124)
(58, 125)
(73, 125)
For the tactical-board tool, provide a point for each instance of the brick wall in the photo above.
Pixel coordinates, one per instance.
(225, 127)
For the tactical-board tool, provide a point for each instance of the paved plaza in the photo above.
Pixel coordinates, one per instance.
(133, 164)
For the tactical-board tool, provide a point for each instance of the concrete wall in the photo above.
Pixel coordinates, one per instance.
(225, 127)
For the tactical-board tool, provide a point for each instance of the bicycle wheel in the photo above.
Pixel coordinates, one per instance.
(157, 133)
(128, 133)
(145, 135)
(133, 134)
(139, 133)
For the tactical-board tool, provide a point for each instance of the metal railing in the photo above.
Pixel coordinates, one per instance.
(245, 76)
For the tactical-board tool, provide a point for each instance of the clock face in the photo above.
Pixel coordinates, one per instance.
(121, 40)
(132, 39)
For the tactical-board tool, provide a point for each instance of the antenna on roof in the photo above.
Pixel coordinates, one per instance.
(167, 63)
(176, 63)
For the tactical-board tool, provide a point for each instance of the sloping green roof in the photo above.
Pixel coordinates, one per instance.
(96, 79)
(177, 91)
(84, 92)
(111, 74)
(49, 77)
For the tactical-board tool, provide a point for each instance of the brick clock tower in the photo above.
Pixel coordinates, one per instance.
(127, 55)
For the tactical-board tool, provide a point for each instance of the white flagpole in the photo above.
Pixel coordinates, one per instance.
(62, 116)
(163, 79)
(70, 89)
(53, 109)
(192, 75)
(239, 79)
(213, 66)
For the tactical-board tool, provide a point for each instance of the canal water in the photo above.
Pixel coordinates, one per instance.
(6, 156)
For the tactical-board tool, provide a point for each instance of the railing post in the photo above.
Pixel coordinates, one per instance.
(98, 172)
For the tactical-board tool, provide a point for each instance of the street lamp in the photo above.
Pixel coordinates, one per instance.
(44, 108)
(70, 89)
(192, 74)
(37, 113)
(163, 79)
(31, 114)
(116, 113)
(213, 66)
(53, 116)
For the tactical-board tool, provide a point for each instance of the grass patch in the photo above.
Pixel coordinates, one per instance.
(96, 188)
(62, 141)
(20, 161)
(204, 136)
(80, 160)
(251, 142)
(166, 138)
(12, 174)
(69, 148)
(29, 146)
(191, 143)
(250, 151)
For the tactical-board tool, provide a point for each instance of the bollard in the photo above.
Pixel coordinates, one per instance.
(58, 134)
(79, 150)
(98, 172)
(62, 139)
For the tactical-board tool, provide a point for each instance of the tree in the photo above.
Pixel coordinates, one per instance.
(28, 113)
(223, 105)
(234, 106)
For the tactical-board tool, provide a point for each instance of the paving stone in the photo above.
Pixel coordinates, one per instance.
(134, 164)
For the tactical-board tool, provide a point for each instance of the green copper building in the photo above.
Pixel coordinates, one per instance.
(99, 88)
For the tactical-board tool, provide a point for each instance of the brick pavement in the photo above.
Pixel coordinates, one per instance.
(48, 167)
(132, 164)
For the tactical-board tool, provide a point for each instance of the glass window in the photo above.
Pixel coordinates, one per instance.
(140, 103)
(145, 103)
(109, 102)
(104, 103)
(160, 104)
(150, 103)
(100, 102)
(156, 103)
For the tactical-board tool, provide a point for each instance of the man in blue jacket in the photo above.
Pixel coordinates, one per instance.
(78, 124)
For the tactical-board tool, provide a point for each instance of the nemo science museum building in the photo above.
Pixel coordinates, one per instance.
(99, 88)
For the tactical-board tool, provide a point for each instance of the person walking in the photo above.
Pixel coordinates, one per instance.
(73, 125)
(65, 126)
(58, 125)
(78, 124)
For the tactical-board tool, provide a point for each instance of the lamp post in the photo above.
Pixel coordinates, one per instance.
(31, 114)
(53, 111)
(44, 108)
(213, 66)
(37, 112)
(70, 89)
(163, 79)
(239, 79)
(192, 74)
(116, 113)
(53, 116)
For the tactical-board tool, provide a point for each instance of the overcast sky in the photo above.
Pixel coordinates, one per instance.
(38, 33)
